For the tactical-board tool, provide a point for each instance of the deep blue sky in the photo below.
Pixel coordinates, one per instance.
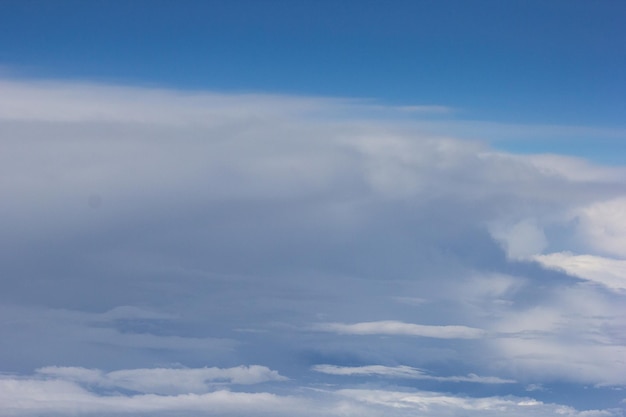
(514, 61)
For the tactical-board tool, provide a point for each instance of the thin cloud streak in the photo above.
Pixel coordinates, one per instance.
(165, 380)
(392, 327)
(403, 371)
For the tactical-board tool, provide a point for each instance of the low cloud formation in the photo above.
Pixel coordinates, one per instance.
(442, 404)
(165, 380)
(60, 394)
(390, 327)
(154, 240)
(404, 372)
(55, 397)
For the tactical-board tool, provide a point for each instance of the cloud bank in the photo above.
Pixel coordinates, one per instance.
(154, 241)
(59, 396)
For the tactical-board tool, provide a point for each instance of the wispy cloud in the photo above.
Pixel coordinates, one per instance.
(391, 327)
(165, 380)
(605, 271)
(439, 404)
(403, 371)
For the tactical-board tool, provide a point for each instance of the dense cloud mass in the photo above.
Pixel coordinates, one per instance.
(167, 253)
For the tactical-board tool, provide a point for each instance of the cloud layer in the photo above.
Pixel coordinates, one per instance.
(68, 393)
(183, 252)
(390, 327)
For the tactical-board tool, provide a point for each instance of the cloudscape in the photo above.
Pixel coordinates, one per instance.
(178, 250)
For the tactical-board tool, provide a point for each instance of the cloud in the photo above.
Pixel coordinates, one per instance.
(144, 229)
(522, 239)
(576, 336)
(139, 333)
(559, 360)
(30, 396)
(134, 313)
(48, 101)
(165, 380)
(57, 397)
(602, 226)
(391, 327)
(606, 271)
(404, 372)
(441, 404)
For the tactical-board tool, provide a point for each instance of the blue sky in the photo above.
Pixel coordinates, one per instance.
(312, 208)
(518, 61)
(534, 62)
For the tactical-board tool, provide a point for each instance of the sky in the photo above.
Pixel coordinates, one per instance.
(312, 208)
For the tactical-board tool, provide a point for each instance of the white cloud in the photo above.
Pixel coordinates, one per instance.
(57, 397)
(144, 227)
(606, 271)
(391, 327)
(87, 102)
(438, 404)
(522, 239)
(404, 371)
(166, 380)
(29, 396)
(577, 169)
(602, 226)
(575, 335)
(553, 359)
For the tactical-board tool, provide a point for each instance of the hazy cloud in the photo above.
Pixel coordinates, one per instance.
(29, 396)
(165, 380)
(404, 372)
(390, 327)
(144, 229)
